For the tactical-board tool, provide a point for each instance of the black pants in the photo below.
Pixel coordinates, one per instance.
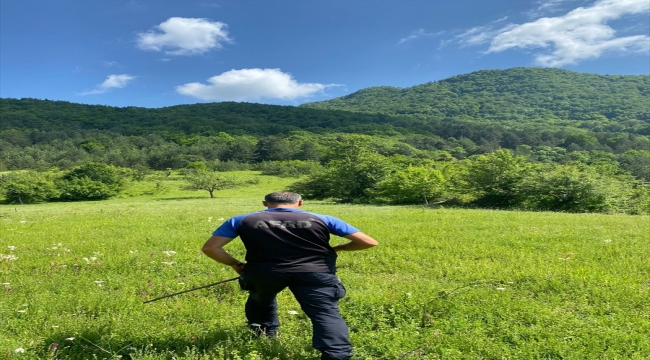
(317, 294)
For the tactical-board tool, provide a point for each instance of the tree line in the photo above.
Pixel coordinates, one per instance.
(353, 169)
(37, 150)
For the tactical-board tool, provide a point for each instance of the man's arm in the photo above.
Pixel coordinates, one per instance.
(213, 248)
(358, 241)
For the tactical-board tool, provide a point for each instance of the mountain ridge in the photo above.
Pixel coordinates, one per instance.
(538, 92)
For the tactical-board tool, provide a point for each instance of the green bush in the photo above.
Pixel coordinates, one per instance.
(28, 187)
(415, 185)
(80, 189)
(351, 175)
(578, 188)
(493, 178)
(91, 181)
(230, 165)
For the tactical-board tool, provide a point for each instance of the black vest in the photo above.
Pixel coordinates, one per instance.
(285, 241)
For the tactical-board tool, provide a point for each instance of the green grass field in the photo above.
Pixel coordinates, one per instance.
(442, 284)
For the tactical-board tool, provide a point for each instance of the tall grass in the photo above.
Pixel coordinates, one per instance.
(443, 284)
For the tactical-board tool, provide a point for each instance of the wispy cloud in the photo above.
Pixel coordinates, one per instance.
(480, 34)
(418, 33)
(545, 7)
(578, 35)
(251, 84)
(185, 36)
(110, 63)
(111, 82)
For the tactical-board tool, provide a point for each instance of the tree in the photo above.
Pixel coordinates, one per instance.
(351, 175)
(91, 181)
(210, 182)
(28, 187)
(576, 188)
(493, 178)
(415, 184)
(84, 188)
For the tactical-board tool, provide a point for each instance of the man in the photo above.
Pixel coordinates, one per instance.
(287, 247)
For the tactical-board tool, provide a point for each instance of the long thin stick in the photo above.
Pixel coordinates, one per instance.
(183, 292)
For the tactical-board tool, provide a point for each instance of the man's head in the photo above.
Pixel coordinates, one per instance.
(284, 199)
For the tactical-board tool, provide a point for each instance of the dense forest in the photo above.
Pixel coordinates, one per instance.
(597, 102)
(546, 116)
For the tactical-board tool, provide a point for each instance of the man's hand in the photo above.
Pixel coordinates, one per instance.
(239, 268)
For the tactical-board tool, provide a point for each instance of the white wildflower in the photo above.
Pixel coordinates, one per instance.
(132, 252)
(19, 350)
(170, 263)
(99, 282)
(408, 294)
(181, 283)
(220, 219)
(55, 326)
(204, 331)
(5, 283)
(21, 311)
(70, 338)
(210, 219)
(54, 248)
(8, 257)
(23, 221)
(11, 248)
(607, 241)
(255, 324)
(86, 260)
(92, 258)
(501, 289)
(292, 312)
(169, 252)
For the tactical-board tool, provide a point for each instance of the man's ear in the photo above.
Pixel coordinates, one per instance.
(265, 203)
(300, 202)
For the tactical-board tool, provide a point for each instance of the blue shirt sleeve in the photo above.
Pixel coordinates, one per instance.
(337, 227)
(229, 228)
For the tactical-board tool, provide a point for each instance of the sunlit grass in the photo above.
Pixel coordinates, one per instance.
(444, 283)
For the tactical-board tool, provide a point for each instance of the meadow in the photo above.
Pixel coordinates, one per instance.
(442, 284)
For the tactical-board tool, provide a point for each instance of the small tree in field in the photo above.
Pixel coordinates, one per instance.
(415, 185)
(210, 182)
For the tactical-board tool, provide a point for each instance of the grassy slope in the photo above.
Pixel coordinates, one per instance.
(450, 283)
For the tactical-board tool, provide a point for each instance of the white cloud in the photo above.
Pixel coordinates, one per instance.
(578, 35)
(549, 6)
(480, 34)
(418, 33)
(184, 36)
(111, 82)
(251, 84)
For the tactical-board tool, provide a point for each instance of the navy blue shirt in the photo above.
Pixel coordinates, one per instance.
(286, 240)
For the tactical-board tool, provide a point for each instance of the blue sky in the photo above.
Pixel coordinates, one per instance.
(155, 53)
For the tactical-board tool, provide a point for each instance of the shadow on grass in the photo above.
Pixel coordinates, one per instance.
(214, 344)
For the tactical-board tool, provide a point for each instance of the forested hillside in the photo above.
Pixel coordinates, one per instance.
(519, 94)
(561, 140)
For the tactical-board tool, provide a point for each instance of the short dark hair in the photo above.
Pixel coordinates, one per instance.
(282, 197)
